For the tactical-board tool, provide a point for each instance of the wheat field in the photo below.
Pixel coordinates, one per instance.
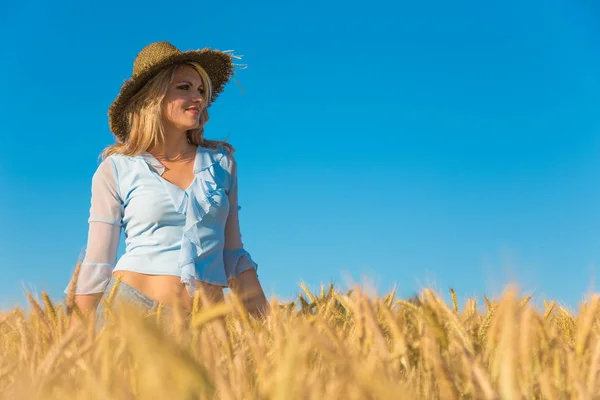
(325, 345)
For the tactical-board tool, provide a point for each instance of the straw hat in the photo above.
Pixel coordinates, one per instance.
(156, 56)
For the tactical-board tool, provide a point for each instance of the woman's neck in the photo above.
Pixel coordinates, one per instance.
(174, 147)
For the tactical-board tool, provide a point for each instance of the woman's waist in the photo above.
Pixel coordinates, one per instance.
(158, 274)
(166, 289)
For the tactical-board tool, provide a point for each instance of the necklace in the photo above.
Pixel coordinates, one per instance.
(177, 158)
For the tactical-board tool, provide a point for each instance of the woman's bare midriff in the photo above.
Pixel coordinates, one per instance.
(163, 288)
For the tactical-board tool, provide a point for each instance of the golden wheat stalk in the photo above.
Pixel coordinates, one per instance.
(334, 345)
(73, 288)
(454, 301)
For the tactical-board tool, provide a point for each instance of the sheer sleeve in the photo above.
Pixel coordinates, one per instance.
(236, 258)
(106, 213)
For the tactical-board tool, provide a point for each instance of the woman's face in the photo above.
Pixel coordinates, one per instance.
(184, 104)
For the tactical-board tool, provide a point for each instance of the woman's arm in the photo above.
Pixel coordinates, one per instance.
(102, 242)
(87, 303)
(241, 270)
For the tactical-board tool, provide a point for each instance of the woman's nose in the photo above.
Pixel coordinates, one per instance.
(198, 98)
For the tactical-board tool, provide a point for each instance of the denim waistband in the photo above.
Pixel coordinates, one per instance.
(126, 292)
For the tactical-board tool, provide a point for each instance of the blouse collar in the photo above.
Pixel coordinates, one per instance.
(204, 158)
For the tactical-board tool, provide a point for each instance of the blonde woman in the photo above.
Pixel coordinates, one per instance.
(173, 193)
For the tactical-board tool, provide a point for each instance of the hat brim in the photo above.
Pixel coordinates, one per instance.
(217, 64)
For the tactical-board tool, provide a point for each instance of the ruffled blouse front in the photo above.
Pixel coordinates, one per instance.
(202, 251)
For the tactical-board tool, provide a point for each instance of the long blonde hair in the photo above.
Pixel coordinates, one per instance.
(144, 116)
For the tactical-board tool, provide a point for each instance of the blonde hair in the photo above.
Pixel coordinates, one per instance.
(144, 116)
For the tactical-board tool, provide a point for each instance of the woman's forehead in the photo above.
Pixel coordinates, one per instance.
(188, 72)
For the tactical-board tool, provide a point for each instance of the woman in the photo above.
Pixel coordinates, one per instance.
(173, 193)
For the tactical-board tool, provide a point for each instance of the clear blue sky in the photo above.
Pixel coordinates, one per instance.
(428, 143)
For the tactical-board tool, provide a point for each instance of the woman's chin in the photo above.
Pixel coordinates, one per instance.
(192, 126)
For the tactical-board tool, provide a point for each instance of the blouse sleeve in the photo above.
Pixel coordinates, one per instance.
(236, 258)
(105, 220)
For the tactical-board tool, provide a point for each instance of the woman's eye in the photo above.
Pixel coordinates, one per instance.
(187, 87)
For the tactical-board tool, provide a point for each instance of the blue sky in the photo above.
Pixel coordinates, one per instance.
(424, 143)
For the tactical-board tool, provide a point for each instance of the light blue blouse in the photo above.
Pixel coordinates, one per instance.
(192, 233)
